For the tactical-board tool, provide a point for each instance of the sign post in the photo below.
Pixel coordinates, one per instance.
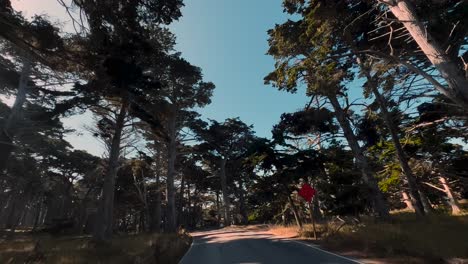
(308, 193)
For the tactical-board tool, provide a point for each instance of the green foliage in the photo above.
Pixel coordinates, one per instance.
(226, 139)
(390, 177)
(302, 123)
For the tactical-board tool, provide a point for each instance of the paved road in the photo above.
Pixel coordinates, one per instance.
(254, 246)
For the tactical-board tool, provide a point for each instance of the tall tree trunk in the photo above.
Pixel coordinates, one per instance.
(218, 208)
(315, 201)
(242, 206)
(17, 212)
(37, 216)
(224, 189)
(84, 215)
(457, 84)
(157, 210)
(143, 194)
(312, 218)
(53, 209)
(170, 189)
(316, 205)
(295, 212)
(11, 210)
(426, 203)
(180, 210)
(379, 204)
(104, 224)
(451, 200)
(7, 132)
(190, 217)
(408, 177)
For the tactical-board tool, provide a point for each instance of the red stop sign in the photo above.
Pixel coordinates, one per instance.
(307, 192)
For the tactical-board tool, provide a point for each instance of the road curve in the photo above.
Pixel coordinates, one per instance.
(254, 246)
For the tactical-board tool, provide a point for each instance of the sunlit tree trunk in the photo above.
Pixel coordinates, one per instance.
(104, 225)
(379, 204)
(457, 84)
(405, 198)
(451, 200)
(218, 208)
(7, 131)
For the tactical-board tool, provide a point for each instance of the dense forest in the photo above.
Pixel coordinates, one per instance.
(165, 167)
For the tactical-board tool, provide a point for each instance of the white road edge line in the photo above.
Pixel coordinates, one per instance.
(328, 252)
(299, 242)
(190, 248)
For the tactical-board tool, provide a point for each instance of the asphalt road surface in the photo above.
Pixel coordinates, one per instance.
(254, 247)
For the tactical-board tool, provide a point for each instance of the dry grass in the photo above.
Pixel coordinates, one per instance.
(292, 231)
(434, 238)
(285, 231)
(147, 248)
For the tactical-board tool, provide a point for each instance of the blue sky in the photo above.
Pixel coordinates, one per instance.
(228, 40)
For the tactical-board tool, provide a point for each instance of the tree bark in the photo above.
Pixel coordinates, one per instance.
(37, 216)
(407, 201)
(218, 208)
(312, 218)
(15, 216)
(104, 226)
(408, 176)
(451, 200)
(316, 204)
(426, 203)
(10, 210)
(143, 194)
(224, 189)
(457, 84)
(242, 206)
(190, 218)
(170, 189)
(379, 204)
(180, 209)
(295, 212)
(7, 132)
(157, 210)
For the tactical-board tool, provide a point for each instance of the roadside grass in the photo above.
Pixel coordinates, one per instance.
(289, 231)
(435, 238)
(292, 231)
(142, 248)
